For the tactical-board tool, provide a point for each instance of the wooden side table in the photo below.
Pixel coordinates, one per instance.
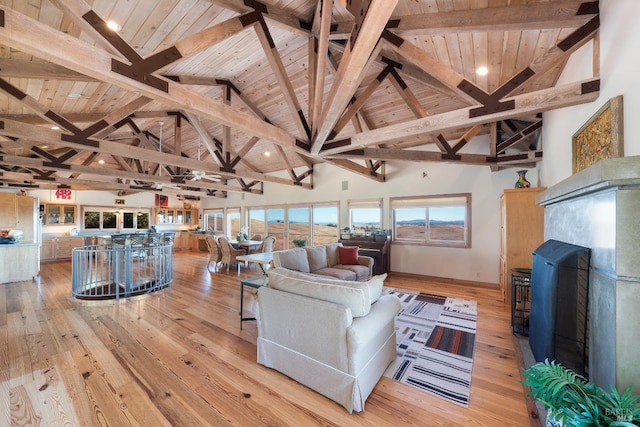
(253, 282)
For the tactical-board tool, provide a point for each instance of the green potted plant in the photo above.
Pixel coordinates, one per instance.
(573, 401)
(301, 243)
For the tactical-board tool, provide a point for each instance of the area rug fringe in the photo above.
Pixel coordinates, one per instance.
(435, 344)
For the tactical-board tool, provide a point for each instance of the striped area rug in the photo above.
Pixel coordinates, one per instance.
(435, 342)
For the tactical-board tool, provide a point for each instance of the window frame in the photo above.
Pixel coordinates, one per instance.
(433, 201)
(117, 214)
(231, 231)
(285, 238)
(364, 204)
(217, 214)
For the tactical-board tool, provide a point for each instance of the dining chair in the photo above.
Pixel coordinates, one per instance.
(215, 254)
(229, 253)
(137, 244)
(119, 239)
(268, 244)
(256, 237)
(168, 237)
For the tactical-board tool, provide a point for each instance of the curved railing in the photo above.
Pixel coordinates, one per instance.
(112, 271)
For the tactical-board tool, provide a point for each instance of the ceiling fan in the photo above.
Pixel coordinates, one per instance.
(198, 175)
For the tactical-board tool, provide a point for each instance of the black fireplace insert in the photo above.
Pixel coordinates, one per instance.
(558, 322)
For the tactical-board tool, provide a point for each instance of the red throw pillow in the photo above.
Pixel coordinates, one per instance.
(348, 255)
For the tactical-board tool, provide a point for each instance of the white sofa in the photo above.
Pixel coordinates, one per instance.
(336, 337)
(326, 260)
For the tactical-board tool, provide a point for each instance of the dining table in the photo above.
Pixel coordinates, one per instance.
(263, 259)
(245, 244)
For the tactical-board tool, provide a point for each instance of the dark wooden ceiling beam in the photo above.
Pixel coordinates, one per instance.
(519, 137)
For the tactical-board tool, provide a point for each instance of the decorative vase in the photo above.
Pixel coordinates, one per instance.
(522, 181)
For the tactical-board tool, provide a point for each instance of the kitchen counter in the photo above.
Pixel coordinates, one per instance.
(19, 261)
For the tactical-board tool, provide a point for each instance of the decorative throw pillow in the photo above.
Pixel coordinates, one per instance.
(348, 255)
(317, 257)
(293, 259)
(375, 285)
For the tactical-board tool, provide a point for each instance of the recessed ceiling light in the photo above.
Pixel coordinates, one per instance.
(74, 95)
(101, 161)
(482, 71)
(114, 26)
(267, 153)
(44, 146)
(55, 128)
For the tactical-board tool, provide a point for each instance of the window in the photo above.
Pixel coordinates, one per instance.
(105, 218)
(214, 221)
(91, 220)
(257, 224)
(233, 222)
(142, 220)
(325, 224)
(365, 216)
(135, 220)
(127, 220)
(109, 220)
(276, 225)
(317, 224)
(442, 220)
(299, 225)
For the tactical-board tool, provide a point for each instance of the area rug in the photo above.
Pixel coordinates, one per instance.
(435, 343)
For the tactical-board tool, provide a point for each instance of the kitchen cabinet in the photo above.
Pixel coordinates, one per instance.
(21, 260)
(522, 231)
(59, 248)
(60, 214)
(176, 216)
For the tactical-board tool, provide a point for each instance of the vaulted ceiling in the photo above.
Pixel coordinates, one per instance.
(202, 97)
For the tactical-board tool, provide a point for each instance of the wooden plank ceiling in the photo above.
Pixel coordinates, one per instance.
(202, 97)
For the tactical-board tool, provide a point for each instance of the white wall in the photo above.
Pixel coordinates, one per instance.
(478, 263)
(619, 65)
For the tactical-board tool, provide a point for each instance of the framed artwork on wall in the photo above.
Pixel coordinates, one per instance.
(601, 137)
(162, 201)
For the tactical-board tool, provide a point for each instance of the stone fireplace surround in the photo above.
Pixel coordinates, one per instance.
(599, 208)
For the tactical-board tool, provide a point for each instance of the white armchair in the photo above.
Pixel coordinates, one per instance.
(327, 334)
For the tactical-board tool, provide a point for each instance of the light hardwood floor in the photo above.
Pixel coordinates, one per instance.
(178, 357)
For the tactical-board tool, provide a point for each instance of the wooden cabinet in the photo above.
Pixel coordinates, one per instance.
(47, 252)
(60, 214)
(21, 260)
(522, 231)
(181, 241)
(176, 216)
(379, 250)
(59, 248)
